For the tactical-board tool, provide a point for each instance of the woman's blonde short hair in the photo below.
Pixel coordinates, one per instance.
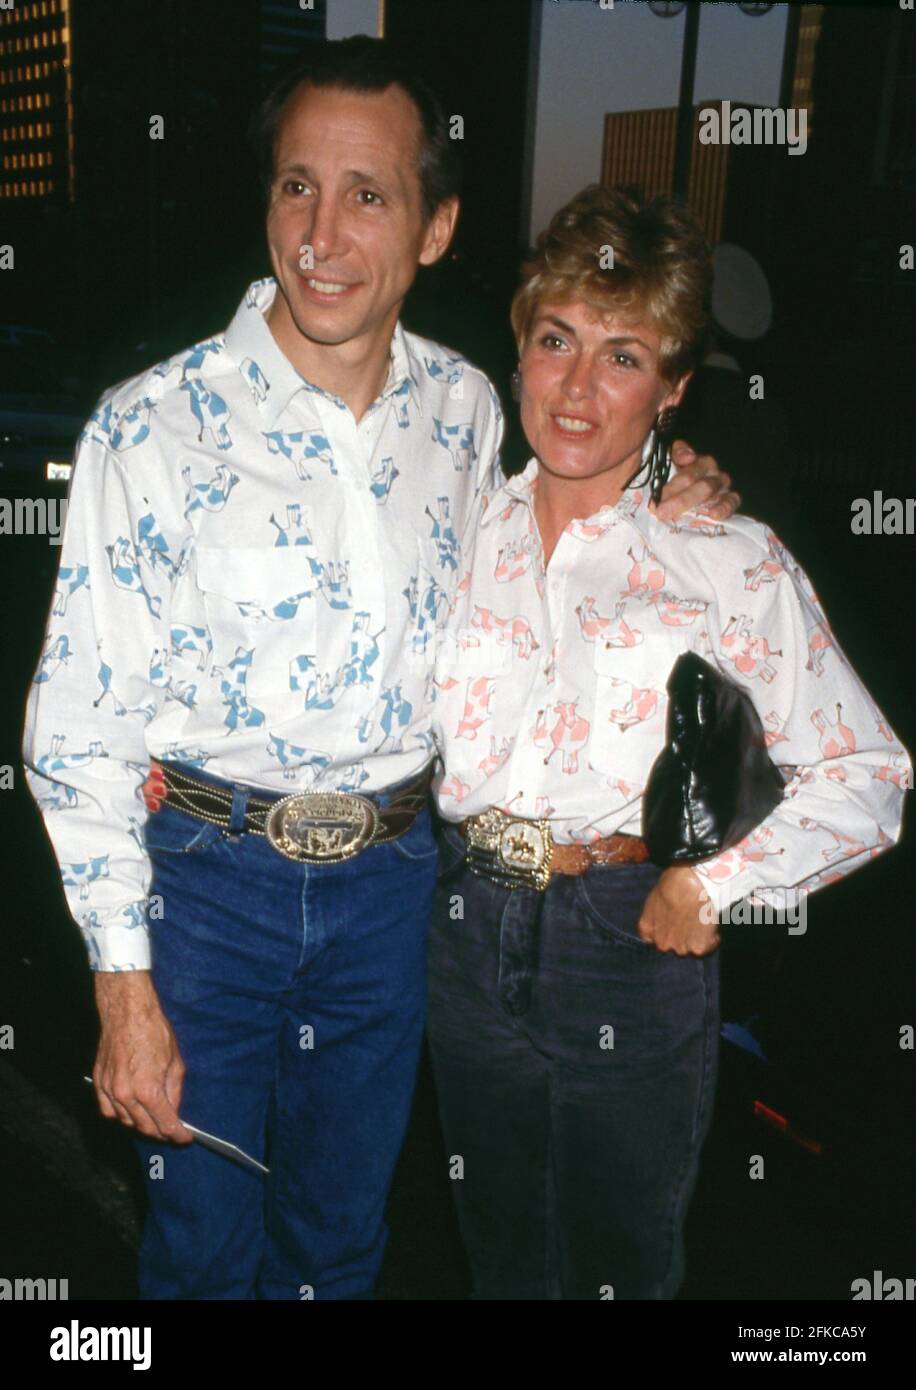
(660, 269)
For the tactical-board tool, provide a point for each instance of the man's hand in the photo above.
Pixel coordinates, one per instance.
(679, 916)
(138, 1071)
(698, 484)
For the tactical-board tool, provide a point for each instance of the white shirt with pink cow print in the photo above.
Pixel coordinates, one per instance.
(550, 686)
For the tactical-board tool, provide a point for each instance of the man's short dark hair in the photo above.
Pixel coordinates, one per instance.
(362, 64)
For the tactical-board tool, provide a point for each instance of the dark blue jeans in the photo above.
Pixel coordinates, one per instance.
(576, 1068)
(296, 993)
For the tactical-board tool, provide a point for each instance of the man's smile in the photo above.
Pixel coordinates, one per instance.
(327, 291)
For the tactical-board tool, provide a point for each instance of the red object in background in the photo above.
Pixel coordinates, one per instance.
(154, 788)
(777, 1121)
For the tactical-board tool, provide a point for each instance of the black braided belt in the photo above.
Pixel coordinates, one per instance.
(310, 827)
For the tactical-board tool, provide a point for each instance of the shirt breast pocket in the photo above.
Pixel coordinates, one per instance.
(631, 703)
(261, 609)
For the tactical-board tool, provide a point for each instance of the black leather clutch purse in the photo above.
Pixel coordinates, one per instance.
(713, 782)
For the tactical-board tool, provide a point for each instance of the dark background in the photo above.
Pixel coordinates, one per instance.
(155, 253)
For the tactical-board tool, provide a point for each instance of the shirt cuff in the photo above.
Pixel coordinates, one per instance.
(722, 892)
(118, 948)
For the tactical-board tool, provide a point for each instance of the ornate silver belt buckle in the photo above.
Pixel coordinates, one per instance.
(321, 827)
(522, 848)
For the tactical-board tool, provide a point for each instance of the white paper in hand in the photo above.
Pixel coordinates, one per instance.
(220, 1146)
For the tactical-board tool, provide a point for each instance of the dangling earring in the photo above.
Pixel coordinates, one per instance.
(656, 461)
(660, 462)
(516, 383)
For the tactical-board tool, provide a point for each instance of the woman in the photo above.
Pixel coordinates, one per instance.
(573, 1013)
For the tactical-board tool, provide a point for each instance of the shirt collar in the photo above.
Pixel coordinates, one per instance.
(521, 487)
(404, 374)
(272, 378)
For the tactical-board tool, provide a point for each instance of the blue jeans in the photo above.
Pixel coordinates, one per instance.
(251, 953)
(575, 1066)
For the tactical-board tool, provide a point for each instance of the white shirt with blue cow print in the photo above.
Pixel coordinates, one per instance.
(251, 581)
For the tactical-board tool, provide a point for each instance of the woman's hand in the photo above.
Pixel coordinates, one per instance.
(678, 915)
(698, 484)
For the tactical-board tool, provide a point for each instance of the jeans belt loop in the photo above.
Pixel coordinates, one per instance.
(237, 811)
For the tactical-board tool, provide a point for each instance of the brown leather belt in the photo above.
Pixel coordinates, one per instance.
(309, 827)
(520, 853)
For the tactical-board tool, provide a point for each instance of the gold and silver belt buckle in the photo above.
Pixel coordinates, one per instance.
(321, 827)
(521, 848)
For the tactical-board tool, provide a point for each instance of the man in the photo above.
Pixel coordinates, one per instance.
(262, 535)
